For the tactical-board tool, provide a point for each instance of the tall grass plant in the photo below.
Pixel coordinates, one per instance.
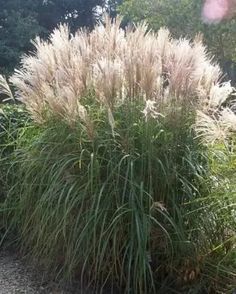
(116, 181)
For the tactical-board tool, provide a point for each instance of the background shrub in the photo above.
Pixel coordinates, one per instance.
(13, 118)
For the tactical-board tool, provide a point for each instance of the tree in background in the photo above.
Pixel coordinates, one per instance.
(18, 24)
(77, 13)
(112, 7)
(183, 18)
(22, 20)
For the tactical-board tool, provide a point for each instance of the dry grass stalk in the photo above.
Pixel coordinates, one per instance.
(118, 65)
(5, 89)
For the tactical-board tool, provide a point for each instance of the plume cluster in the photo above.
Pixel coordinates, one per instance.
(118, 65)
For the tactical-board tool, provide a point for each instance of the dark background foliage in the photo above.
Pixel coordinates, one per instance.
(22, 20)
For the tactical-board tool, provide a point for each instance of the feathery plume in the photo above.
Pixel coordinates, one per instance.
(135, 64)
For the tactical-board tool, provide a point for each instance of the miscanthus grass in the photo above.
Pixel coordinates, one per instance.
(116, 182)
(129, 210)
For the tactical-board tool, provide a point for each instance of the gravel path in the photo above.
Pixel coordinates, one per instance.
(17, 277)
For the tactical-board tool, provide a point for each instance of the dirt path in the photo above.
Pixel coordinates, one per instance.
(16, 277)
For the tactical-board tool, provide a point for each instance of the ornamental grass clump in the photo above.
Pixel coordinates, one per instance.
(116, 65)
(113, 186)
(119, 65)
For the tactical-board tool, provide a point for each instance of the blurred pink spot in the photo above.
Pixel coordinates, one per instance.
(215, 10)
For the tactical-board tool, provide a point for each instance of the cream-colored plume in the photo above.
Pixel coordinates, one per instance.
(118, 65)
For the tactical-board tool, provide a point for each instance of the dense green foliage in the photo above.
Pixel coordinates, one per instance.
(18, 24)
(133, 209)
(13, 119)
(22, 20)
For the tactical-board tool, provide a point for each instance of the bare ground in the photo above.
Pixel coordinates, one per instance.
(18, 277)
